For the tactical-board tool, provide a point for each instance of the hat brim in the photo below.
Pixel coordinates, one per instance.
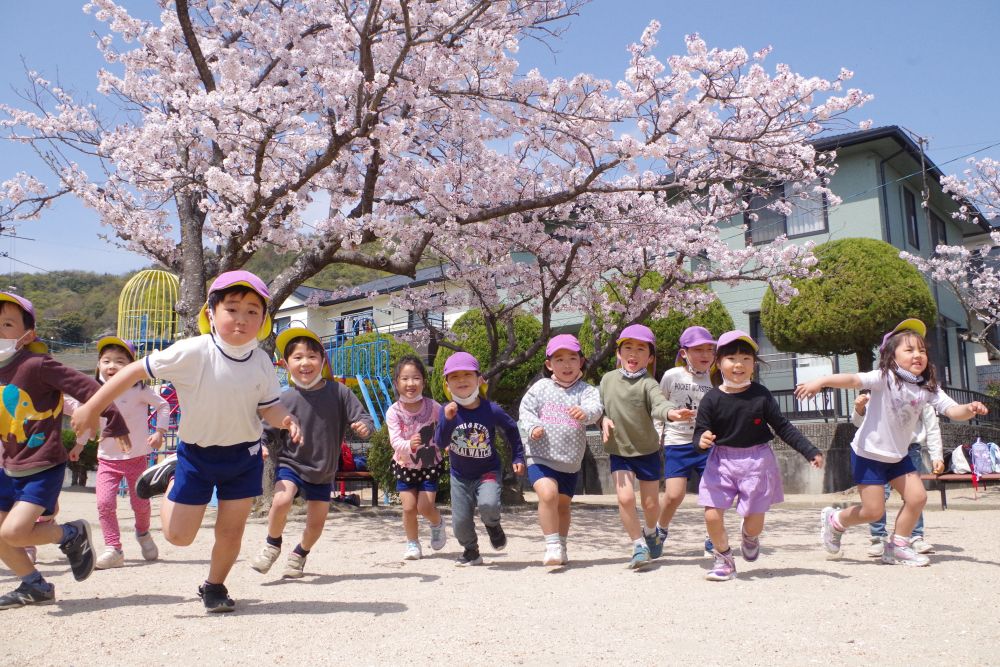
(114, 340)
(287, 335)
(911, 324)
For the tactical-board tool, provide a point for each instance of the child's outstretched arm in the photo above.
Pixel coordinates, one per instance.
(86, 417)
(966, 411)
(278, 415)
(791, 435)
(809, 389)
(513, 436)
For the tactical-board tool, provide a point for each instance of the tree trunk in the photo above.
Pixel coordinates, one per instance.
(865, 360)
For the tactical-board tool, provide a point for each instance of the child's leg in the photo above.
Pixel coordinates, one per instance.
(410, 499)
(625, 490)
(230, 522)
(753, 524)
(427, 508)
(21, 529)
(548, 505)
(914, 498)
(316, 511)
(14, 558)
(715, 524)
(281, 504)
(109, 477)
(649, 495)
(180, 522)
(488, 500)
(564, 514)
(871, 508)
(140, 506)
(673, 496)
(463, 500)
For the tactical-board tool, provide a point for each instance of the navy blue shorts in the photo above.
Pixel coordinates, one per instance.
(867, 471)
(647, 468)
(40, 489)
(682, 460)
(565, 480)
(236, 471)
(307, 490)
(420, 485)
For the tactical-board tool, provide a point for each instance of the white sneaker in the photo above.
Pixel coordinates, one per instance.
(265, 558)
(148, 546)
(553, 555)
(294, 567)
(413, 551)
(439, 536)
(109, 559)
(897, 554)
(918, 544)
(877, 546)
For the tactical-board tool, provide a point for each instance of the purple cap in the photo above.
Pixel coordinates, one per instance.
(911, 324)
(562, 342)
(20, 301)
(638, 332)
(735, 335)
(460, 361)
(232, 278)
(693, 337)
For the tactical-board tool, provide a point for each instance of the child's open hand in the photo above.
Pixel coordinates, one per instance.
(537, 433)
(937, 467)
(681, 415)
(291, 424)
(807, 390)
(817, 461)
(606, 427)
(361, 429)
(155, 440)
(451, 410)
(706, 440)
(577, 413)
(124, 443)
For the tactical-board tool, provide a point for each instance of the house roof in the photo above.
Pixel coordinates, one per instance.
(386, 285)
(906, 144)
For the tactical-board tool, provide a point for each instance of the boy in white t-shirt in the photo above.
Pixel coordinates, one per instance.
(224, 385)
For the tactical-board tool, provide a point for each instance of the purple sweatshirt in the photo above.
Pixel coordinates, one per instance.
(470, 438)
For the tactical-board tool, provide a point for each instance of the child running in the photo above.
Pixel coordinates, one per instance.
(735, 420)
(113, 464)
(632, 400)
(467, 427)
(684, 385)
(323, 409)
(32, 385)
(416, 463)
(903, 383)
(928, 433)
(553, 417)
(222, 381)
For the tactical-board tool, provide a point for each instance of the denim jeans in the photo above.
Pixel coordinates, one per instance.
(466, 494)
(878, 527)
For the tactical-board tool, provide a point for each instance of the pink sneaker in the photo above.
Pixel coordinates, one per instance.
(903, 554)
(724, 568)
(831, 536)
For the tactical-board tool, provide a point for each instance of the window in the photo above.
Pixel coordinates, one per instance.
(940, 230)
(282, 323)
(807, 217)
(910, 218)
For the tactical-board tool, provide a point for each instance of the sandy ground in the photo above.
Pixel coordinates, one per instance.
(358, 604)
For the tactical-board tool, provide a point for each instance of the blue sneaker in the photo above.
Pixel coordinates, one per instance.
(640, 557)
(709, 548)
(654, 543)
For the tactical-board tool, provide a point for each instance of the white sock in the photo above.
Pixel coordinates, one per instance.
(640, 542)
(562, 540)
(551, 539)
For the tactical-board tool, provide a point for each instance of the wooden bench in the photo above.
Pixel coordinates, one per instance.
(942, 481)
(360, 477)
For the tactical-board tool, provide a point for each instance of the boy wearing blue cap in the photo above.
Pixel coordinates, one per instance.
(467, 427)
(32, 385)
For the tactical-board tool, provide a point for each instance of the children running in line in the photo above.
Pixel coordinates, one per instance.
(324, 409)
(416, 463)
(34, 459)
(114, 465)
(903, 383)
(632, 400)
(928, 433)
(222, 381)
(553, 417)
(735, 421)
(467, 427)
(684, 385)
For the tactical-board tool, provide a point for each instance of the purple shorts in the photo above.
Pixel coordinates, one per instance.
(748, 473)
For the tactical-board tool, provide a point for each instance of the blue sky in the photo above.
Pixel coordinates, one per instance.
(930, 66)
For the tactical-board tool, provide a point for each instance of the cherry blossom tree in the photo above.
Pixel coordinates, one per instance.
(971, 273)
(414, 119)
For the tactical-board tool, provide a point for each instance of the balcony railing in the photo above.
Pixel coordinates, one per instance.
(836, 404)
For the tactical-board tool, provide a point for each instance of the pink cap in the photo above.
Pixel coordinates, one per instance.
(562, 342)
(693, 337)
(639, 332)
(735, 335)
(460, 361)
(232, 278)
